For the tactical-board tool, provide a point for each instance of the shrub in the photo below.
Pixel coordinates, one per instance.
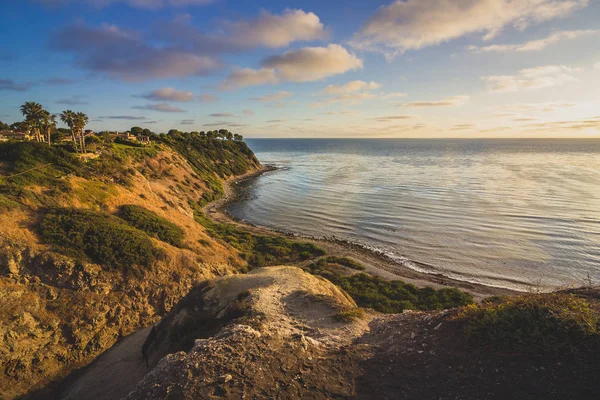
(260, 250)
(343, 261)
(104, 239)
(351, 315)
(531, 322)
(392, 297)
(153, 224)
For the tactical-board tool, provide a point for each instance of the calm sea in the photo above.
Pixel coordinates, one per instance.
(511, 213)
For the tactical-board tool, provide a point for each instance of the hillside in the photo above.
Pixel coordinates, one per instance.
(94, 248)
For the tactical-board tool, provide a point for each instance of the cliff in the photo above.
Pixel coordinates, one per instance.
(93, 249)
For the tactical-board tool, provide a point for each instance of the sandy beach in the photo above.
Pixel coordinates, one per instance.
(374, 263)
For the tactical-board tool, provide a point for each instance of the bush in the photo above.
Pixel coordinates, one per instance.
(531, 322)
(351, 315)
(153, 224)
(392, 297)
(104, 239)
(343, 261)
(260, 250)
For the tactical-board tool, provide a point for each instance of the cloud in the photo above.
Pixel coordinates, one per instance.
(534, 45)
(243, 77)
(579, 124)
(351, 98)
(73, 101)
(313, 63)
(207, 98)
(162, 107)
(275, 31)
(302, 65)
(59, 81)
(169, 94)
(350, 87)
(463, 127)
(535, 107)
(147, 4)
(10, 85)
(273, 96)
(449, 102)
(531, 79)
(221, 115)
(187, 122)
(393, 118)
(414, 24)
(127, 117)
(125, 55)
(393, 95)
(248, 113)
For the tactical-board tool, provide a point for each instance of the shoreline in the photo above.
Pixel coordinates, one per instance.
(375, 263)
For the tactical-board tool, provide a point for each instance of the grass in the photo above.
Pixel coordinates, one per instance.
(390, 297)
(260, 250)
(102, 238)
(351, 315)
(153, 224)
(532, 323)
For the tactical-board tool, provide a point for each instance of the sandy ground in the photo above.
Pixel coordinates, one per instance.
(374, 263)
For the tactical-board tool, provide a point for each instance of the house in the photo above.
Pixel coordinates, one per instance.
(143, 139)
(10, 135)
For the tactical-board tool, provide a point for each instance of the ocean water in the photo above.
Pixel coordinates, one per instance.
(512, 213)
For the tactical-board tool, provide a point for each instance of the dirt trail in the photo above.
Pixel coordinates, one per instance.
(112, 375)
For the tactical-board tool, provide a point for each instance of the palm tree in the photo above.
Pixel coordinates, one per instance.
(48, 123)
(81, 120)
(68, 117)
(33, 112)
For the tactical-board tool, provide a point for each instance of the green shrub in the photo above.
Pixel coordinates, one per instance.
(153, 224)
(392, 297)
(104, 239)
(260, 250)
(351, 315)
(343, 261)
(531, 322)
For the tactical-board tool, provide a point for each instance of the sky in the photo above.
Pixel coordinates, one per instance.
(290, 69)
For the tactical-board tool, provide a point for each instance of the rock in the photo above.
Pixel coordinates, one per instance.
(225, 378)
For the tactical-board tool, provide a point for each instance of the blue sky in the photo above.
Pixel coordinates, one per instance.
(411, 68)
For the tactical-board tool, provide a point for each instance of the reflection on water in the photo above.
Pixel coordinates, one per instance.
(502, 212)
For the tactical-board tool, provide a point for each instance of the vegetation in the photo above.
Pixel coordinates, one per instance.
(351, 315)
(153, 224)
(212, 158)
(260, 250)
(104, 239)
(325, 262)
(533, 323)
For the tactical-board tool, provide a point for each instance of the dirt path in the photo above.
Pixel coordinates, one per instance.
(373, 262)
(112, 375)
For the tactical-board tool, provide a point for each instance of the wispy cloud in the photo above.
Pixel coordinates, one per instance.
(73, 101)
(531, 79)
(535, 45)
(207, 98)
(448, 102)
(350, 87)
(187, 122)
(10, 85)
(126, 117)
(393, 118)
(147, 4)
(273, 96)
(414, 24)
(168, 94)
(162, 107)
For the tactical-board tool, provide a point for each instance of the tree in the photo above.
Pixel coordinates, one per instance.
(68, 117)
(238, 138)
(81, 120)
(137, 131)
(33, 113)
(48, 124)
(3, 126)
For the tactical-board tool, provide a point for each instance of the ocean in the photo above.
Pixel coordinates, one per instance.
(522, 214)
